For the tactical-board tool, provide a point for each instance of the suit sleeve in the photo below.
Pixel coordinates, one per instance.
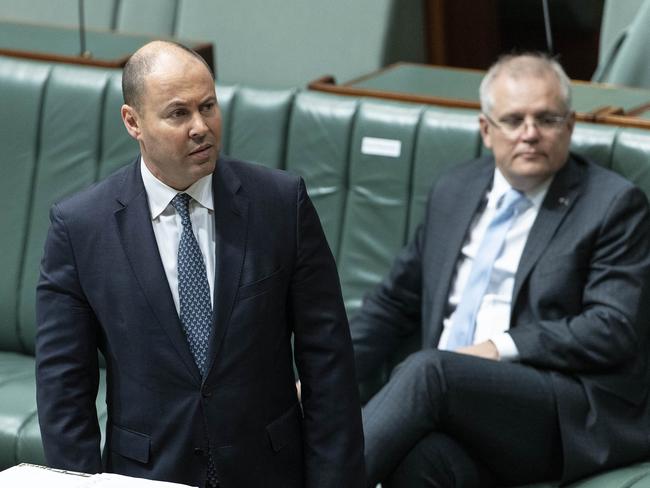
(391, 312)
(611, 324)
(67, 372)
(332, 432)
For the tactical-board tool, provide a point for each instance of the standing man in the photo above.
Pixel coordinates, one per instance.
(190, 274)
(529, 282)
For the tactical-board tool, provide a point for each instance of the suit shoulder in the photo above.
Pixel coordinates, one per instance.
(262, 179)
(605, 181)
(466, 169)
(94, 197)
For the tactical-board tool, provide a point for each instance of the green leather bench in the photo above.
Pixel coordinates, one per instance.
(367, 164)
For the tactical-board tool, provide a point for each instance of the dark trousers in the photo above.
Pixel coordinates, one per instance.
(451, 420)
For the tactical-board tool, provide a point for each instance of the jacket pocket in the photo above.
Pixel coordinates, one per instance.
(285, 429)
(260, 286)
(130, 444)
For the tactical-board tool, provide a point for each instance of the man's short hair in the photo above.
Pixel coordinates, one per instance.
(140, 64)
(529, 63)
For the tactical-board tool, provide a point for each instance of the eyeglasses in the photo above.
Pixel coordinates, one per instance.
(513, 125)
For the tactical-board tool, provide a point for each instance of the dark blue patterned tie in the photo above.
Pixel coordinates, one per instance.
(194, 298)
(193, 288)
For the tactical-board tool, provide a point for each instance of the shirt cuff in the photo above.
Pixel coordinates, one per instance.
(506, 347)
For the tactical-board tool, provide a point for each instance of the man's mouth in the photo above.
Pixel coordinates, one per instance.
(201, 149)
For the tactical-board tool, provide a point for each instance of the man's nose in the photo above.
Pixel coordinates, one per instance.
(530, 129)
(198, 127)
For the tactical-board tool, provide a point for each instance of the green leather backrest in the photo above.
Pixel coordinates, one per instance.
(225, 95)
(21, 95)
(68, 160)
(445, 137)
(376, 209)
(116, 146)
(257, 130)
(631, 157)
(318, 149)
(595, 142)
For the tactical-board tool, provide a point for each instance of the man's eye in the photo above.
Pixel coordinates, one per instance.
(548, 120)
(512, 122)
(208, 107)
(177, 114)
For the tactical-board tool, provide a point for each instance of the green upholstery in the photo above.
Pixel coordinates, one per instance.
(225, 96)
(136, 16)
(65, 133)
(595, 142)
(290, 43)
(67, 161)
(445, 137)
(631, 157)
(318, 150)
(623, 58)
(20, 96)
(98, 14)
(115, 147)
(376, 207)
(258, 129)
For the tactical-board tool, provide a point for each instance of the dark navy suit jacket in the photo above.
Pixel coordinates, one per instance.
(103, 287)
(580, 305)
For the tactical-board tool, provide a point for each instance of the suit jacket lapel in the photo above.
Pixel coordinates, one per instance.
(139, 242)
(464, 200)
(561, 196)
(231, 226)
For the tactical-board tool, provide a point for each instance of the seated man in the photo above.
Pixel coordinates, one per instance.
(528, 280)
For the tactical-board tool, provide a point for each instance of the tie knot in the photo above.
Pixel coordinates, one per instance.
(513, 201)
(181, 203)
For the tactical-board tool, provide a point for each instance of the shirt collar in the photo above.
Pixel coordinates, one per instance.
(500, 187)
(159, 194)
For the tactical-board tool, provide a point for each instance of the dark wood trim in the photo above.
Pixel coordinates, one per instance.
(205, 50)
(624, 121)
(639, 110)
(57, 58)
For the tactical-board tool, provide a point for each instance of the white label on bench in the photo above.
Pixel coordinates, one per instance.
(375, 146)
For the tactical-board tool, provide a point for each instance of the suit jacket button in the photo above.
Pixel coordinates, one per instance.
(198, 451)
(206, 393)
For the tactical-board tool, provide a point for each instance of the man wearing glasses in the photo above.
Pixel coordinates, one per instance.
(528, 280)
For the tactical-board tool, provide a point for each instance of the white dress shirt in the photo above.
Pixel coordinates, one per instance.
(167, 225)
(493, 317)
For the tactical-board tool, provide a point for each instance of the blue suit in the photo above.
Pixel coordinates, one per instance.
(103, 287)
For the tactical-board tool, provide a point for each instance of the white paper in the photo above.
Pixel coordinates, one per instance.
(376, 146)
(28, 475)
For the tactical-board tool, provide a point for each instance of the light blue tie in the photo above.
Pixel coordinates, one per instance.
(464, 322)
(193, 288)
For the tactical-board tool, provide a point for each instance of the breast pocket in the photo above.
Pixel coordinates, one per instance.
(261, 285)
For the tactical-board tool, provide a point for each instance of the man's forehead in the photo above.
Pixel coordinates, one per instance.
(180, 75)
(526, 90)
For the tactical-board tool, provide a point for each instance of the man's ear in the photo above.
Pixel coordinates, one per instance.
(484, 127)
(131, 121)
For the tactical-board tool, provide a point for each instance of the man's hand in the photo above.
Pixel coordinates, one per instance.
(485, 350)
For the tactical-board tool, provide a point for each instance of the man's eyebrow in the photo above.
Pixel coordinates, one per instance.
(175, 104)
